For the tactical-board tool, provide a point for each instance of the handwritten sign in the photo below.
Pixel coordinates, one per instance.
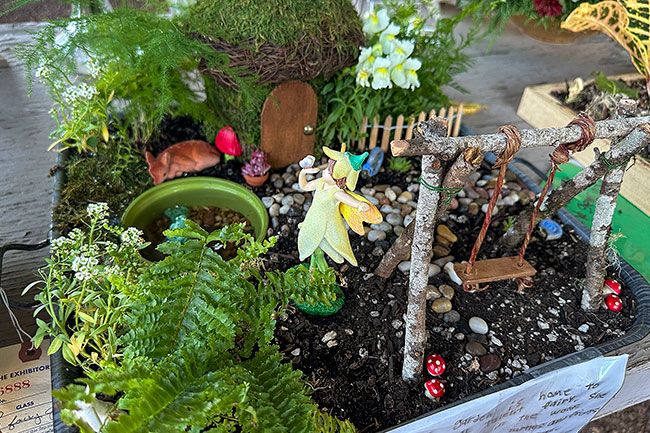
(562, 401)
(25, 390)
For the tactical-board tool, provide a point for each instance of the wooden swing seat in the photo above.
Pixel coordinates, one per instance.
(489, 270)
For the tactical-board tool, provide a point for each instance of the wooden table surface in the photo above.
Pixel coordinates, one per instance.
(497, 80)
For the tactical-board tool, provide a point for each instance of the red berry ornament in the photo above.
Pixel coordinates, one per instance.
(611, 286)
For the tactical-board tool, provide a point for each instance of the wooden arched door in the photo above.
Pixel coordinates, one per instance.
(288, 123)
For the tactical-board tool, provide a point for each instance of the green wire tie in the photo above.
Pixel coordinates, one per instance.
(448, 192)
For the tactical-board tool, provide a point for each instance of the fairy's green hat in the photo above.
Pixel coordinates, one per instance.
(356, 161)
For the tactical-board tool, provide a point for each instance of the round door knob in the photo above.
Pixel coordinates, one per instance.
(308, 130)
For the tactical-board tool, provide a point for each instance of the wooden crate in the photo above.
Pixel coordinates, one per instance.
(541, 109)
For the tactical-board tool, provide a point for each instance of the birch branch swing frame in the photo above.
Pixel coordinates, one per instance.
(441, 158)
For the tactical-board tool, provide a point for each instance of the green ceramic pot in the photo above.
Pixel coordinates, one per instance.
(197, 191)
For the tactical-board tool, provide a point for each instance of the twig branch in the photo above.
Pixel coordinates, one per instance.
(426, 143)
(466, 163)
(415, 320)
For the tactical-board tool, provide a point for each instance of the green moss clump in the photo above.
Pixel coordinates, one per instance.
(115, 174)
(279, 22)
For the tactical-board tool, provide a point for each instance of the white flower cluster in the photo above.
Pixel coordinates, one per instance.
(97, 211)
(82, 91)
(388, 61)
(132, 237)
(60, 243)
(85, 267)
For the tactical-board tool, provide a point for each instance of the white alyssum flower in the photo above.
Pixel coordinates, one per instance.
(80, 92)
(375, 22)
(132, 237)
(97, 211)
(85, 267)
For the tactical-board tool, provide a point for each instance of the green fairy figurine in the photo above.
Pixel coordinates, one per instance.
(323, 229)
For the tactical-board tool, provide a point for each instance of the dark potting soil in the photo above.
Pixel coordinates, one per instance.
(359, 377)
(357, 373)
(209, 217)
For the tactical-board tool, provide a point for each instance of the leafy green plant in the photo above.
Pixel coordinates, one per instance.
(508, 223)
(195, 347)
(400, 164)
(344, 102)
(139, 65)
(87, 288)
(613, 87)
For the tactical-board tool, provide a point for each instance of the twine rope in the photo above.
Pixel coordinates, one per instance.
(14, 320)
(560, 155)
(449, 192)
(513, 144)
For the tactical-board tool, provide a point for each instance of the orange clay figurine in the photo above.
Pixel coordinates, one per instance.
(184, 157)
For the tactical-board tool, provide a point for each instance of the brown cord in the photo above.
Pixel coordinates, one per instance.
(513, 143)
(560, 155)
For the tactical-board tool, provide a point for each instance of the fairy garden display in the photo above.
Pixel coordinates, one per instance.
(241, 302)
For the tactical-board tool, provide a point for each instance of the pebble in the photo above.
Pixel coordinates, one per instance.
(446, 233)
(447, 291)
(443, 260)
(583, 328)
(278, 197)
(490, 362)
(331, 335)
(475, 348)
(396, 324)
(382, 226)
(441, 305)
(473, 208)
(376, 235)
(414, 187)
(459, 336)
(331, 343)
(274, 210)
(394, 219)
(390, 194)
(268, 201)
(299, 198)
(405, 267)
(287, 200)
(434, 270)
(432, 292)
(408, 219)
(494, 340)
(381, 187)
(551, 337)
(405, 197)
(478, 325)
(440, 251)
(398, 230)
(285, 209)
(452, 316)
(278, 183)
(374, 314)
(494, 211)
(371, 199)
(367, 191)
(296, 352)
(386, 209)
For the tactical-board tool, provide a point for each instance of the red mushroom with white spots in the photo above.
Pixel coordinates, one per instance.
(611, 287)
(613, 303)
(436, 365)
(434, 389)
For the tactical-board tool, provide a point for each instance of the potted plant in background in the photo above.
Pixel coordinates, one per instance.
(256, 170)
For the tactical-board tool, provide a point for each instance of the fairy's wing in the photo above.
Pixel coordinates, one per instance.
(355, 218)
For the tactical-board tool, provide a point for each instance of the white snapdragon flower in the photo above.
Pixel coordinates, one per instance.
(375, 22)
(98, 211)
(402, 49)
(363, 77)
(415, 24)
(381, 74)
(411, 67)
(387, 38)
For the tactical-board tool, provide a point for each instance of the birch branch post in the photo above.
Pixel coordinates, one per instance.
(456, 176)
(592, 294)
(415, 335)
